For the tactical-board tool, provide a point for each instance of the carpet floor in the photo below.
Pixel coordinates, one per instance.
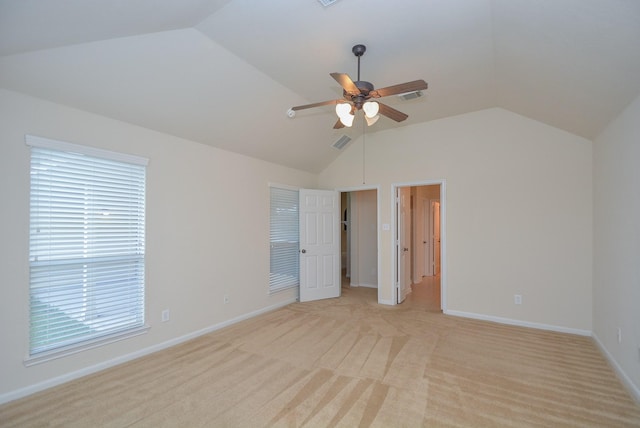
(348, 362)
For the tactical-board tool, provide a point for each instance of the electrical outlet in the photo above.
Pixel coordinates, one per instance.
(619, 335)
(165, 315)
(226, 299)
(517, 299)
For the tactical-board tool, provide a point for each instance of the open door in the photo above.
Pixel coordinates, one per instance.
(403, 243)
(319, 244)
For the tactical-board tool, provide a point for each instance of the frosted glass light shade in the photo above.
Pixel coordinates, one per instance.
(347, 120)
(371, 120)
(343, 109)
(371, 109)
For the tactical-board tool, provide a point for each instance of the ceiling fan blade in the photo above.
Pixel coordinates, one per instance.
(338, 125)
(402, 88)
(322, 103)
(347, 84)
(391, 113)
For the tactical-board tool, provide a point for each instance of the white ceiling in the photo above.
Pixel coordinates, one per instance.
(224, 72)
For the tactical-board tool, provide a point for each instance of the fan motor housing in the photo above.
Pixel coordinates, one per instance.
(365, 87)
(359, 99)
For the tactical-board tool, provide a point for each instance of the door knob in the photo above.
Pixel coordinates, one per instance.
(405, 249)
(303, 251)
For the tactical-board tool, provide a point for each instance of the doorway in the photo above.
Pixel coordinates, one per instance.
(419, 244)
(359, 236)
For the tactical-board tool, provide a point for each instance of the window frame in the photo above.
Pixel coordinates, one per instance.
(283, 283)
(49, 352)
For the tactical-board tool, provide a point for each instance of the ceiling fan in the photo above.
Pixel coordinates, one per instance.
(360, 95)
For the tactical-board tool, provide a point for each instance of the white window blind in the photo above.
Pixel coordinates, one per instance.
(284, 239)
(86, 248)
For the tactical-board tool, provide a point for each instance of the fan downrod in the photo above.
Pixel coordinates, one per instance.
(358, 51)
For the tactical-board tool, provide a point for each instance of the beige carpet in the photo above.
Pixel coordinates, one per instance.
(348, 362)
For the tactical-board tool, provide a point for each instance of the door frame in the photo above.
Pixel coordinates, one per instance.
(443, 236)
(401, 246)
(378, 209)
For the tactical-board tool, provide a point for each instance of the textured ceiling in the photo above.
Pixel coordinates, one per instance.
(224, 73)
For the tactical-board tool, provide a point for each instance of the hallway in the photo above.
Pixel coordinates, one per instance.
(425, 294)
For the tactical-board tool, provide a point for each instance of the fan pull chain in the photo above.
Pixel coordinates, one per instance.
(364, 135)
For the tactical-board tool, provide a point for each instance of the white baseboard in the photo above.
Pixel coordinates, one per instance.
(634, 390)
(368, 285)
(518, 323)
(41, 386)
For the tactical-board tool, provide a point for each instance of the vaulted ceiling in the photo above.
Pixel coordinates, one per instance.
(225, 72)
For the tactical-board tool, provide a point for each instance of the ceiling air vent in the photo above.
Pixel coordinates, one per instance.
(411, 95)
(326, 3)
(343, 141)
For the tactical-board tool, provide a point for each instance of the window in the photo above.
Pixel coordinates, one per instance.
(86, 246)
(284, 239)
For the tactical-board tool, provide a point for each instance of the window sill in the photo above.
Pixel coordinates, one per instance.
(43, 357)
(281, 289)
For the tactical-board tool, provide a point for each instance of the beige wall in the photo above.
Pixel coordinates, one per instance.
(518, 212)
(207, 220)
(617, 243)
(364, 239)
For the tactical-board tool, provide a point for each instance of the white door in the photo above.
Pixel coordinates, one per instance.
(319, 244)
(404, 243)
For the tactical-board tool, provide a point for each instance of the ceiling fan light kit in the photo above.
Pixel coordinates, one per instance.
(343, 109)
(344, 112)
(358, 96)
(371, 109)
(371, 120)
